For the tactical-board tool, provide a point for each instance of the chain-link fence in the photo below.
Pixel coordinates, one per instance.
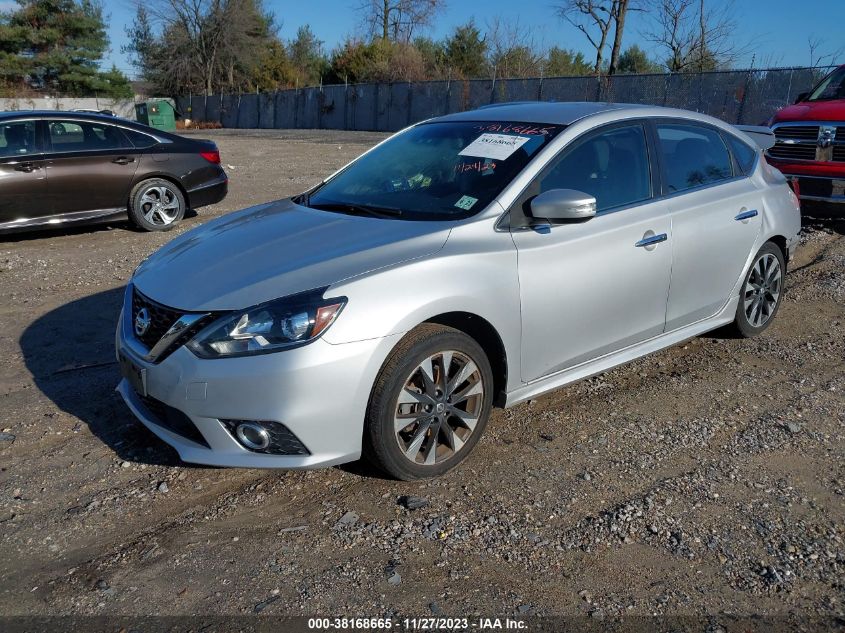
(737, 96)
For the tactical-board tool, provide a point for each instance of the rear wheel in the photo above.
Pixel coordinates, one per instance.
(156, 205)
(429, 405)
(761, 292)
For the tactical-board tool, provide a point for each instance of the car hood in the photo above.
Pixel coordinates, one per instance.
(812, 111)
(274, 250)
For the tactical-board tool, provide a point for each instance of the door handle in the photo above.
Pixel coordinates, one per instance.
(652, 240)
(746, 215)
(123, 160)
(26, 166)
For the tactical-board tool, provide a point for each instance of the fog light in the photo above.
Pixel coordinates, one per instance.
(265, 436)
(252, 436)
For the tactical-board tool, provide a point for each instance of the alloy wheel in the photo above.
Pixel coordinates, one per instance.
(159, 205)
(439, 407)
(762, 290)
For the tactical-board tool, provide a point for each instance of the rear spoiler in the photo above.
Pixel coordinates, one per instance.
(760, 134)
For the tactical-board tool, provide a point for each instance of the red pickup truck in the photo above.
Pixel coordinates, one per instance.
(810, 141)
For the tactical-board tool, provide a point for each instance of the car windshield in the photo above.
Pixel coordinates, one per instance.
(832, 87)
(434, 171)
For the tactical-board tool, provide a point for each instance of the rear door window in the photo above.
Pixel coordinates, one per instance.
(17, 138)
(693, 156)
(81, 136)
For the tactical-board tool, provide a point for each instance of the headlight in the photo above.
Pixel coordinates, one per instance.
(269, 327)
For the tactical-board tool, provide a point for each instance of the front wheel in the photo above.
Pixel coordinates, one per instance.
(429, 405)
(761, 292)
(156, 205)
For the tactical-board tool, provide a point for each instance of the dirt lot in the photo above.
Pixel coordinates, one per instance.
(706, 479)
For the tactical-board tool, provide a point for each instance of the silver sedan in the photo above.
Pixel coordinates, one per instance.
(475, 259)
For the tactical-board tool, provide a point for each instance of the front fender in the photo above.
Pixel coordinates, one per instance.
(476, 275)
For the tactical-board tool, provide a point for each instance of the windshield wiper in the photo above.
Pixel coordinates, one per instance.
(359, 209)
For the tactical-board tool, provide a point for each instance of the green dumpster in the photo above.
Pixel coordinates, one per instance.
(157, 114)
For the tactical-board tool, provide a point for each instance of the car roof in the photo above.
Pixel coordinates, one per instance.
(567, 113)
(557, 113)
(89, 116)
(69, 114)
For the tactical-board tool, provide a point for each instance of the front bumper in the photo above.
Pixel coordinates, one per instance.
(319, 392)
(817, 181)
(819, 188)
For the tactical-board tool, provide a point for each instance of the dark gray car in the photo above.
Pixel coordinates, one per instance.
(58, 168)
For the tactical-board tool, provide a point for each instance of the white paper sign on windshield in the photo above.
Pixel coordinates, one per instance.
(498, 146)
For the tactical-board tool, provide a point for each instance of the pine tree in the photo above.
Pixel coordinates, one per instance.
(466, 51)
(56, 46)
(636, 60)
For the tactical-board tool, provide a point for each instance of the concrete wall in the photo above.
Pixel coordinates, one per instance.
(735, 96)
(122, 107)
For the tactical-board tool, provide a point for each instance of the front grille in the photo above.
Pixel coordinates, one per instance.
(798, 132)
(172, 419)
(799, 152)
(839, 151)
(161, 318)
(795, 142)
(282, 440)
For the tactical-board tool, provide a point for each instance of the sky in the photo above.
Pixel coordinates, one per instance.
(774, 31)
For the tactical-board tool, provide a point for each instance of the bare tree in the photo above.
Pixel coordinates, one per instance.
(817, 57)
(771, 60)
(619, 11)
(694, 36)
(397, 20)
(594, 19)
(672, 32)
(597, 19)
(207, 42)
(512, 50)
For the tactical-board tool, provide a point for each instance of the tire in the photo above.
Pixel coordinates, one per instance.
(143, 199)
(761, 292)
(455, 416)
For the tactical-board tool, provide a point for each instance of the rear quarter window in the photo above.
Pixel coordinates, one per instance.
(139, 140)
(743, 153)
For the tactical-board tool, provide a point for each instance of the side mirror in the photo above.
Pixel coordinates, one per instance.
(563, 205)
(801, 96)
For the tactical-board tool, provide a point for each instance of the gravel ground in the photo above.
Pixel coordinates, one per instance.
(706, 479)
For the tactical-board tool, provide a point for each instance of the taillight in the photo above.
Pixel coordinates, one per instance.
(212, 156)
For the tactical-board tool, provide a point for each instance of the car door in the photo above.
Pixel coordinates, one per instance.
(715, 216)
(593, 287)
(23, 179)
(90, 165)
